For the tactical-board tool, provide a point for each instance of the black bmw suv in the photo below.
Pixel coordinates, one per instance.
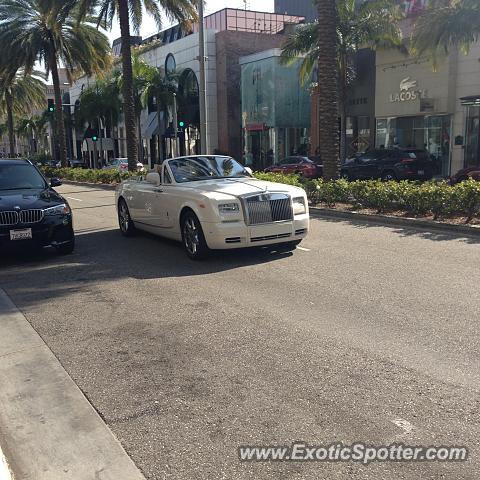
(390, 164)
(31, 212)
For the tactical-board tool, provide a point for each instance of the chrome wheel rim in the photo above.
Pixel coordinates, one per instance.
(123, 217)
(191, 236)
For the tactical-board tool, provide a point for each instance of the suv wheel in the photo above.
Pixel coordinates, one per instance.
(389, 176)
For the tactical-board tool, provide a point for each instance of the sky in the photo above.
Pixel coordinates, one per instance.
(149, 27)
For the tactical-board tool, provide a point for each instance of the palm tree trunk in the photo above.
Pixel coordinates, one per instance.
(11, 132)
(328, 88)
(128, 99)
(343, 107)
(59, 124)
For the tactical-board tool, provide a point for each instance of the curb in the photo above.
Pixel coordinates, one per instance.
(105, 186)
(397, 221)
(48, 428)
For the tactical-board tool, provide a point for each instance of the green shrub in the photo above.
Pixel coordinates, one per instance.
(332, 192)
(88, 175)
(279, 178)
(466, 198)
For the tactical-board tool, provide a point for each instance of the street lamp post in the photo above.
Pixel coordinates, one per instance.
(203, 90)
(175, 126)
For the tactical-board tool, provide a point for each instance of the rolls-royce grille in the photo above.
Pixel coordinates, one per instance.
(31, 216)
(8, 218)
(269, 208)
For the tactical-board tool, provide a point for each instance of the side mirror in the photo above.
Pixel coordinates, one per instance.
(153, 178)
(55, 182)
(249, 170)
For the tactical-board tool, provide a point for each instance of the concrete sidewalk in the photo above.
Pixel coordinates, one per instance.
(48, 429)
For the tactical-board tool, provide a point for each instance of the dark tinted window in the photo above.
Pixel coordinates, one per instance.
(373, 155)
(19, 177)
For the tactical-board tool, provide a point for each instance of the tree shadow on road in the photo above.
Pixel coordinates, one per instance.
(102, 256)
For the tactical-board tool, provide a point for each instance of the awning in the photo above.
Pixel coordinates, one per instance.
(151, 125)
(471, 100)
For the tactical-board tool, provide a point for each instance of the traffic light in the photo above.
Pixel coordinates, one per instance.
(51, 105)
(94, 138)
(181, 124)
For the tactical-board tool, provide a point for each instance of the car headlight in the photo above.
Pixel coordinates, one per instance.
(299, 207)
(62, 209)
(226, 208)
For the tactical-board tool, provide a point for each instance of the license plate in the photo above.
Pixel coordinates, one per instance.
(24, 234)
(421, 172)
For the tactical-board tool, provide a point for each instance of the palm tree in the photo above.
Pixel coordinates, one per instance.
(446, 24)
(372, 24)
(32, 128)
(52, 32)
(19, 93)
(162, 89)
(183, 11)
(100, 104)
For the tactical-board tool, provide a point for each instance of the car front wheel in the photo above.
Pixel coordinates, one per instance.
(124, 220)
(193, 238)
(67, 248)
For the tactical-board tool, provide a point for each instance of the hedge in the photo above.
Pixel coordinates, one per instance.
(439, 199)
(436, 198)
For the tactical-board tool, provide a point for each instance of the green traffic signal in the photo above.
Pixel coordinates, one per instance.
(94, 138)
(51, 109)
(181, 124)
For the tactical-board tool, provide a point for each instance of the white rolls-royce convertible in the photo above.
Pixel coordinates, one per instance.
(212, 202)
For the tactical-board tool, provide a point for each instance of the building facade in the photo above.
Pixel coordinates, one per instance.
(230, 34)
(417, 106)
(304, 8)
(275, 109)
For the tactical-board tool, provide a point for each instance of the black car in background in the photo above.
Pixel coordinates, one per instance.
(390, 164)
(32, 213)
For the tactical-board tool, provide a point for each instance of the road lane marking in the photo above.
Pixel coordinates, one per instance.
(405, 425)
(76, 199)
(303, 249)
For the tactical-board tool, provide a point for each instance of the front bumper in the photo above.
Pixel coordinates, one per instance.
(51, 231)
(230, 235)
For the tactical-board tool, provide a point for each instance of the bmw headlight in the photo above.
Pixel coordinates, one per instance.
(62, 209)
(227, 208)
(299, 207)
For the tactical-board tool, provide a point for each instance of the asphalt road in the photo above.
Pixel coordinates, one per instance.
(367, 333)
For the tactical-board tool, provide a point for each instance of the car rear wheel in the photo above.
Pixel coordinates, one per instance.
(193, 238)
(389, 176)
(124, 220)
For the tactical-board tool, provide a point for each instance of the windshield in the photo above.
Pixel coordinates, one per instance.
(20, 177)
(193, 169)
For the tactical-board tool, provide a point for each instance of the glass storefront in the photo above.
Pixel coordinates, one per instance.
(275, 110)
(432, 133)
(472, 137)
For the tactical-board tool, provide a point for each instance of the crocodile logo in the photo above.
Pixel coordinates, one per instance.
(407, 84)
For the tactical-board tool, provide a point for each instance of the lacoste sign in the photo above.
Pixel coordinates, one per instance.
(408, 91)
